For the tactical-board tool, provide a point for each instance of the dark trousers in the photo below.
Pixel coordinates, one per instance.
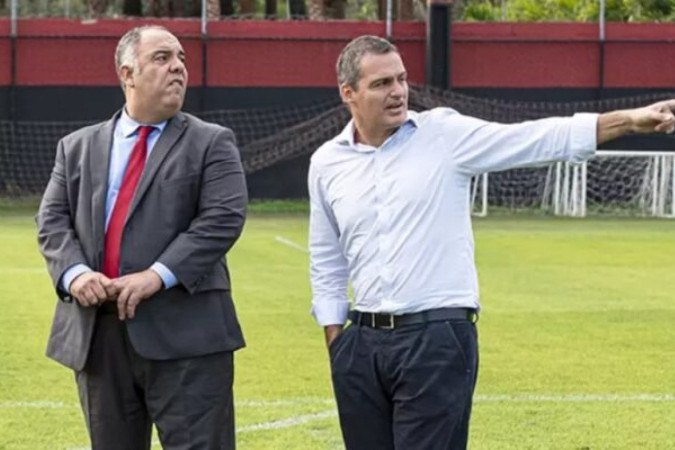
(122, 394)
(407, 388)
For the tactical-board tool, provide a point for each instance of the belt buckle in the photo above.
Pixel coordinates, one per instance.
(390, 326)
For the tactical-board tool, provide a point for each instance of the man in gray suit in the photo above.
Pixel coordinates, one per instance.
(134, 225)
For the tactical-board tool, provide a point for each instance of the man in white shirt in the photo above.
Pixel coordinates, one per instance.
(390, 212)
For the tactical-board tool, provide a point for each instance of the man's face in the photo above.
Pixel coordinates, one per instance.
(156, 86)
(379, 103)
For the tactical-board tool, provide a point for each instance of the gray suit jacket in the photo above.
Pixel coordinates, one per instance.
(187, 212)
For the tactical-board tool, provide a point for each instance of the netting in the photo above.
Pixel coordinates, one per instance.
(619, 183)
(612, 182)
(625, 183)
(519, 188)
(269, 136)
(27, 149)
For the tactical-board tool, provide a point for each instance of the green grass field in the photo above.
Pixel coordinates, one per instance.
(577, 339)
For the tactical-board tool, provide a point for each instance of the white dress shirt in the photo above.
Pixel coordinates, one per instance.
(395, 220)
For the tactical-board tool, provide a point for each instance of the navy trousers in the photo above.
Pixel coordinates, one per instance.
(408, 388)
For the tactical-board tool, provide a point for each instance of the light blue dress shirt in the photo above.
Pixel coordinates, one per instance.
(124, 138)
(395, 220)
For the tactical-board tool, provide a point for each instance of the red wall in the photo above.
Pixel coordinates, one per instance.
(291, 54)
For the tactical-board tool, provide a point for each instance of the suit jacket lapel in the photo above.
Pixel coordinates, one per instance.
(99, 162)
(173, 130)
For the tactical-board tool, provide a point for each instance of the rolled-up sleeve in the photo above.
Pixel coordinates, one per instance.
(583, 137)
(329, 272)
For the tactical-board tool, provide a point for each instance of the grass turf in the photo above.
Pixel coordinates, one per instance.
(576, 336)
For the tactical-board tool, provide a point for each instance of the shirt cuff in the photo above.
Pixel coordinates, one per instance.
(70, 274)
(330, 312)
(168, 278)
(583, 137)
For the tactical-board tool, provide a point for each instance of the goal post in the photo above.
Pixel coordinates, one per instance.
(613, 182)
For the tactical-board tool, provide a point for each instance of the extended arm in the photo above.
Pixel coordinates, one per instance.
(480, 146)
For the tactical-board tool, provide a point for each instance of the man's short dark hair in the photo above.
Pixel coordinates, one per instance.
(348, 62)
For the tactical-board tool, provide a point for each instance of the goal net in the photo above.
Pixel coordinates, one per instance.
(630, 183)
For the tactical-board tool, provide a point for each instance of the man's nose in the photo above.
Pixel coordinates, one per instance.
(177, 65)
(398, 89)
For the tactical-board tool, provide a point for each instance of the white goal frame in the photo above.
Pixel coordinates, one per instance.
(566, 190)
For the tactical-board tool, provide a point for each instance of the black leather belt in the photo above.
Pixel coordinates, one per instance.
(390, 321)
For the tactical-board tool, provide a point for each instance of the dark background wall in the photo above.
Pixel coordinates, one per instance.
(62, 70)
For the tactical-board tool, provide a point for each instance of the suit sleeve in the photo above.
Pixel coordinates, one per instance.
(220, 215)
(57, 239)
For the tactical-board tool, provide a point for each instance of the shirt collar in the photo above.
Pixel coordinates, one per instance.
(346, 137)
(128, 126)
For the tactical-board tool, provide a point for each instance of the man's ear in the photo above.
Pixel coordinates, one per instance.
(346, 93)
(126, 76)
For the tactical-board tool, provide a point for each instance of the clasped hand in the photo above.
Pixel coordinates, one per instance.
(94, 288)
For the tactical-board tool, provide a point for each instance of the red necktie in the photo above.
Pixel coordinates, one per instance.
(113, 235)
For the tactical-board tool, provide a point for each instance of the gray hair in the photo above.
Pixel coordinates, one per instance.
(348, 62)
(127, 48)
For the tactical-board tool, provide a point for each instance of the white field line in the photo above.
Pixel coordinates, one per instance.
(284, 402)
(291, 244)
(574, 398)
(481, 398)
(286, 423)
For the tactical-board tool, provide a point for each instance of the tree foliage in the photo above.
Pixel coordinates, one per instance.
(565, 10)
(463, 10)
